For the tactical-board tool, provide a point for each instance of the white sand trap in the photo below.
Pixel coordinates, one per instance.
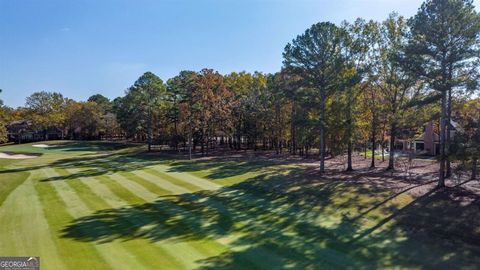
(42, 145)
(16, 156)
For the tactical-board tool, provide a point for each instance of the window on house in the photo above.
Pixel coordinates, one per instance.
(420, 146)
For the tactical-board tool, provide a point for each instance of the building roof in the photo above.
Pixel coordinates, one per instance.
(20, 122)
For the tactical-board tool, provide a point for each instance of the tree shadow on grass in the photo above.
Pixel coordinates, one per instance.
(88, 146)
(101, 151)
(295, 220)
(98, 165)
(108, 163)
(93, 165)
(224, 167)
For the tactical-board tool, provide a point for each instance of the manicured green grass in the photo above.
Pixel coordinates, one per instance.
(108, 206)
(10, 180)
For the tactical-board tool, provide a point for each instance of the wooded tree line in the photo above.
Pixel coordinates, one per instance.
(343, 88)
(4, 112)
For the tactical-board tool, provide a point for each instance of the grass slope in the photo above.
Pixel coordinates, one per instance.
(106, 206)
(10, 174)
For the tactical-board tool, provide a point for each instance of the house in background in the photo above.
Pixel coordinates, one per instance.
(21, 131)
(428, 143)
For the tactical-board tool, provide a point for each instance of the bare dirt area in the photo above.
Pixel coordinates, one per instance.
(416, 177)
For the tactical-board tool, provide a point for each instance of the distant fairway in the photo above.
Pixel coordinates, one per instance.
(107, 206)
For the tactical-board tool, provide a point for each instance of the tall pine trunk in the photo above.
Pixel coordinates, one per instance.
(349, 134)
(349, 156)
(365, 148)
(383, 152)
(374, 140)
(448, 139)
(372, 164)
(150, 131)
(474, 169)
(322, 132)
(190, 141)
(441, 176)
(391, 156)
(176, 135)
(292, 127)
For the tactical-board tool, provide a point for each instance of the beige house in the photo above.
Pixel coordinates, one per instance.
(428, 142)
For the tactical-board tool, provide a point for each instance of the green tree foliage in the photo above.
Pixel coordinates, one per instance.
(357, 54)
(248, 106)
(84, 120)
(139, 111)
(212, 104)
(47, 110)
(273, 112)
(103, 103)
(181, 108)
(317, 56)
(3, 122)
(466, 143)
(392, 83)
(443, 51)
(303, 111)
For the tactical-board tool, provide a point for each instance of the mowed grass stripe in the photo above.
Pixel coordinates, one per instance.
(151, 190)
(151, 254)
(245, 208)
(186, 180)
(250, 202)
(120, 191)
(181, 186)
(24, 228)
(114, 253)
(187, 250)
(183, 253)
(163, 184)
(152, 187)
(269, 257)
(158, 174)
(251, 199)
(165, 171)
(181, 180)
(101, 197)
(143, 189)
(58, 217)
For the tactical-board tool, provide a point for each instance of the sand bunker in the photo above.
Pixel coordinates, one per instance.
(42, 145)
(17, 156)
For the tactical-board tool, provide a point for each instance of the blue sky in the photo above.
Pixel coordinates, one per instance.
(81, 48)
